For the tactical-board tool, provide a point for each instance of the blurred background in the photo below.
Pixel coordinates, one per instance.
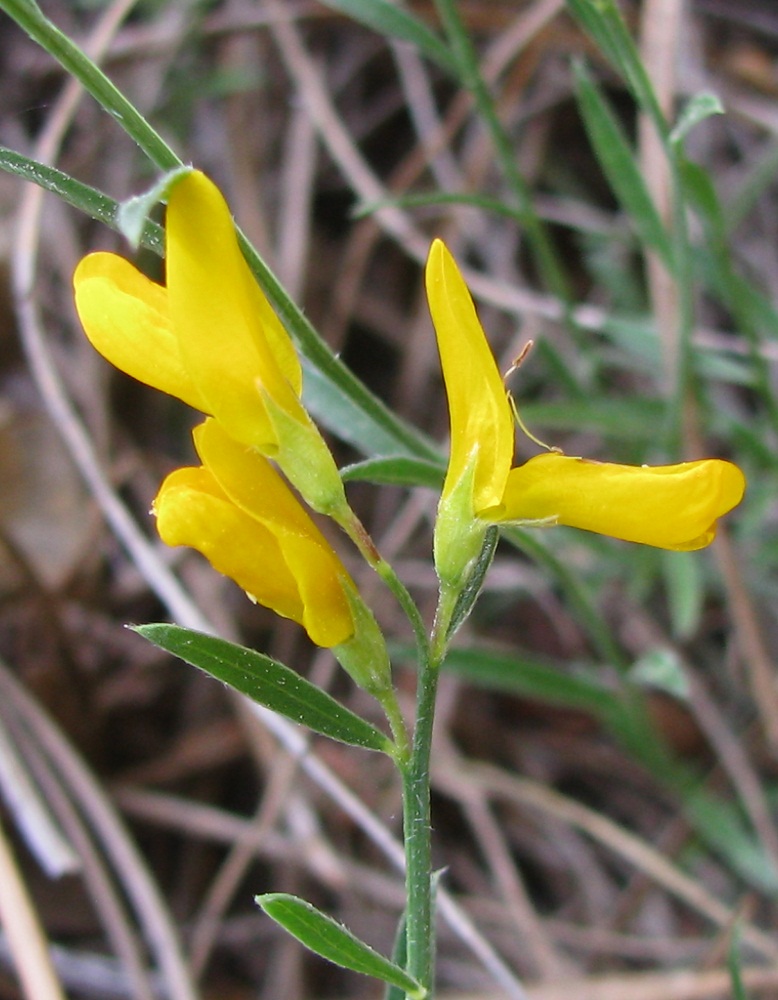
(605, 779)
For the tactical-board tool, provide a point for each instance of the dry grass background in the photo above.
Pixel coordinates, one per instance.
(571, 860)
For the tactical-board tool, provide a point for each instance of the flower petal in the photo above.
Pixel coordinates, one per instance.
(253, 484)
(480, 415)
(193, 510)
(126, 317)
(231, 341)
(670, 507)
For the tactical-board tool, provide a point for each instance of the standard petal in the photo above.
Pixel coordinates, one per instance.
(126, 317)
(480, 415)
(231, 341)
(253, 484)
(670, 507)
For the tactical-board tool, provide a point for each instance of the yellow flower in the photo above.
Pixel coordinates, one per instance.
(671, 507)
(237, 511)
(209, 337)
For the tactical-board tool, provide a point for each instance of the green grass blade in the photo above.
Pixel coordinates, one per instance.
(579, 596)
(469, 73)
(753, 313)
(734, 963)
(535, 678)
(394, 22)
(603, 21)
(619, 165)
(698, 108)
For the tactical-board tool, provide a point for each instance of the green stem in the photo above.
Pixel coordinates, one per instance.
(359, 535)
(420, 927)
(417, 831)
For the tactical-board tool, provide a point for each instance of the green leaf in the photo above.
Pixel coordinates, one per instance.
(134, 212)
(394, 22)
(399, 957)
(396, 470)
(267, 682)
(344, 406)
(326, 937)
(86, 199)
(700, 107)
(619, 166)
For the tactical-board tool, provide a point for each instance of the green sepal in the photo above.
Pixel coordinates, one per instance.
(134, 212)
(364, 656)
(331, 940)
(269, 683)
(459, 534)
(472, 588)
(307, 462)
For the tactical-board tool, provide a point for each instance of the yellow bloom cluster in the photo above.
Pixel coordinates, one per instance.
(210, 337)
(671, 507)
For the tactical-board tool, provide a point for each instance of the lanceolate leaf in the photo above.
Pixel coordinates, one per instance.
(81, 196)
(396, 470)
(326, 937)
(269, 683)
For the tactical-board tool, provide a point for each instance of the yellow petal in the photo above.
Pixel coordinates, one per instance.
(253, 484)
(230, 339)
(670, 507)
(481, 418)
(126, 318)
(192, 510)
